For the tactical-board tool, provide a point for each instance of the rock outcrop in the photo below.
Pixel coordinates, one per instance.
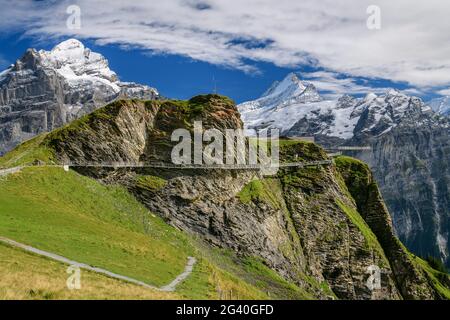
(325, 228)
(411, 164)
(410, 279)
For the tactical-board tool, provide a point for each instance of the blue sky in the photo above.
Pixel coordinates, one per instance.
(174, 76)
(180, 46)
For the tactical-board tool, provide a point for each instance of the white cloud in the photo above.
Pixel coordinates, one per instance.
(444, 92)
(411, 46)
(333, 85)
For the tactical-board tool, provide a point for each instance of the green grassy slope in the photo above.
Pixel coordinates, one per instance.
(104, 226)
(81, 219)
(73, 216)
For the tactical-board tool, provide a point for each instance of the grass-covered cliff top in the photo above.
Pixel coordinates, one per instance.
(352, 166)
(215, 110)
(81, 219)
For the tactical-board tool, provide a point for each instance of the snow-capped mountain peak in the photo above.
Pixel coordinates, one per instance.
(46, 89)
(288, 91)
(295, 108)
(280, 104)
(370, 96)
(72, 60)
(291, 84)
(393, 92)
(69, 50)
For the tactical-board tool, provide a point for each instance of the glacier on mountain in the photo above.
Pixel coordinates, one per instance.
(296, 108)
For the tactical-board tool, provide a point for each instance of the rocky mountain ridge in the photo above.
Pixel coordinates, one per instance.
(410, 154)
(44, 90)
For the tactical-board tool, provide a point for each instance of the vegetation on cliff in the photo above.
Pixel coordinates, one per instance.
(305, 233)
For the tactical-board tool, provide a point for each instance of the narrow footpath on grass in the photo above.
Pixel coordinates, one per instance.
(167, 288)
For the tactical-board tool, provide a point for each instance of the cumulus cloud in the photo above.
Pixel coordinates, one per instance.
(412, 45)
(333, 85)
(444, 92)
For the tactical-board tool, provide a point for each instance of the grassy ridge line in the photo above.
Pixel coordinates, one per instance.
(28, 152)
(360, 176)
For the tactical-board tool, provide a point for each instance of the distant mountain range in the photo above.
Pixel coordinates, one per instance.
(44, 90)
(410, 145)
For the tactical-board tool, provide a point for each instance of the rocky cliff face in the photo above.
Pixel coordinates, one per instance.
(410, 155)
(364, 190)
(411, 165)
(44, 90)
(322, 228)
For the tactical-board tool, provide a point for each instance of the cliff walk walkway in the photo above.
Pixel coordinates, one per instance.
(165, 165)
